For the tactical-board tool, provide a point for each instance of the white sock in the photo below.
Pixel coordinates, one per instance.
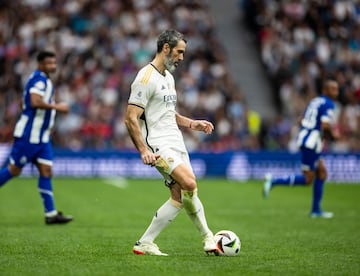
(195, 211)
(164, 215)
(51, 214)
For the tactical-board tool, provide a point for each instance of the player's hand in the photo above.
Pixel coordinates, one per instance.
(62, 107)
(149, 158)
(202, 125)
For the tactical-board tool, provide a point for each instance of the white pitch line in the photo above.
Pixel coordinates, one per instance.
(118, 182)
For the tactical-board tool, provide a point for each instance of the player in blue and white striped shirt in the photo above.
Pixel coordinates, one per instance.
(32, 134)
(316, 125)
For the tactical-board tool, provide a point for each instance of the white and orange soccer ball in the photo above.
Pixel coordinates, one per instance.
(228, 243)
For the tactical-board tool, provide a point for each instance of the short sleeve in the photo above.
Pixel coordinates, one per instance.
(329, 114)
(140, 93)
(38, 87)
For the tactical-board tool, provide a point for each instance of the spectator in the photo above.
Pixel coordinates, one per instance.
(100, 46)
(302, 43)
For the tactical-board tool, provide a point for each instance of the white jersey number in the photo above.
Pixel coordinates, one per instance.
(309, 120)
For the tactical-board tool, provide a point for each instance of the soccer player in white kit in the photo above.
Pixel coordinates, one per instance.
(153, 124)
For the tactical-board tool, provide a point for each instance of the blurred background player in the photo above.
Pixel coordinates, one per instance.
(316, 125)
(153, 125)
(32, 134)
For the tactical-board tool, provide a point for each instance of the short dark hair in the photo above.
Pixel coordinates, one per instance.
(172, 37)
(44, 54)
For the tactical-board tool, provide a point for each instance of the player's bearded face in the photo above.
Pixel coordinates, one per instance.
(170, 63)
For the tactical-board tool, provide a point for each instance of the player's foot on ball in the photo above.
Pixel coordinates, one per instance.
(210, 245)
(267, 185)
(147, 248)
(322, 214)
(59, 218)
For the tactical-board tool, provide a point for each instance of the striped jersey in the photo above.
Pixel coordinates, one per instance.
(157, 95)
(35, 124)
(320, 109)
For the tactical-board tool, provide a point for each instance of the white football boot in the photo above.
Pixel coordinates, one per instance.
(326, 215)
(210, 245)
(147, 248)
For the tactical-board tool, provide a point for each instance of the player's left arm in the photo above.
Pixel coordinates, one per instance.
(200, 125)
(37, 101)
(329, 133)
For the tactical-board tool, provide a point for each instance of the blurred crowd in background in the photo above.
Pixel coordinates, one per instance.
(100, 46)
(301, 43)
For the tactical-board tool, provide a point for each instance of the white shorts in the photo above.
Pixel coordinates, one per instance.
(169, 159)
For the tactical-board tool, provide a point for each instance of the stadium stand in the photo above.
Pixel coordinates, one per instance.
(101, 44)
(301, 43)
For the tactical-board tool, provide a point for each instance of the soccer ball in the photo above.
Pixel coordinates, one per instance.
(228, 243)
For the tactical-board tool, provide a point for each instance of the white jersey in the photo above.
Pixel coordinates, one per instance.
(157, 95)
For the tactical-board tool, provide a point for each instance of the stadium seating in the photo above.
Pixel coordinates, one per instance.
(303, 42)
(100, 45)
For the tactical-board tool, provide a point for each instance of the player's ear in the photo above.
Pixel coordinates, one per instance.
(166, 48)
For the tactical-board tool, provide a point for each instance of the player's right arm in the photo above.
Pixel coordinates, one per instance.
(132, 118)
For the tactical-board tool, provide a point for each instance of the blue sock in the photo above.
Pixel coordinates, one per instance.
(5, 175)
(289, 180)
(317, 195)
(46, 193)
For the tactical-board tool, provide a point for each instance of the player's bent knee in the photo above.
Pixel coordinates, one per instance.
(189, 185)
(46, 174)
(45, 171)
(309, 177)
(14, 170)
(322, 174)
(15, 173)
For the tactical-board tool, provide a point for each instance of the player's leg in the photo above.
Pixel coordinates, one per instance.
(162, 218)
(46, 189)
(289, 180)
(318, 190)
(44, 165)
(17, 159)
(9, 172)
(306, 178)
(183, 175)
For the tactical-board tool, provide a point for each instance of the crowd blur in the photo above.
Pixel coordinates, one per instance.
(301, 43)
(100, 46)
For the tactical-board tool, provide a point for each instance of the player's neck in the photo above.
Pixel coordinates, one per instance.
(41, 69)
(158, 65)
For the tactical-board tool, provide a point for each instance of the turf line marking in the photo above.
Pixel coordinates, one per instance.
(118, 182)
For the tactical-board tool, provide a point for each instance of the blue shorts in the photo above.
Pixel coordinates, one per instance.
(309, 159)
(23, 152)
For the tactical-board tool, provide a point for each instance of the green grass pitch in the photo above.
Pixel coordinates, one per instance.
(277, 235)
